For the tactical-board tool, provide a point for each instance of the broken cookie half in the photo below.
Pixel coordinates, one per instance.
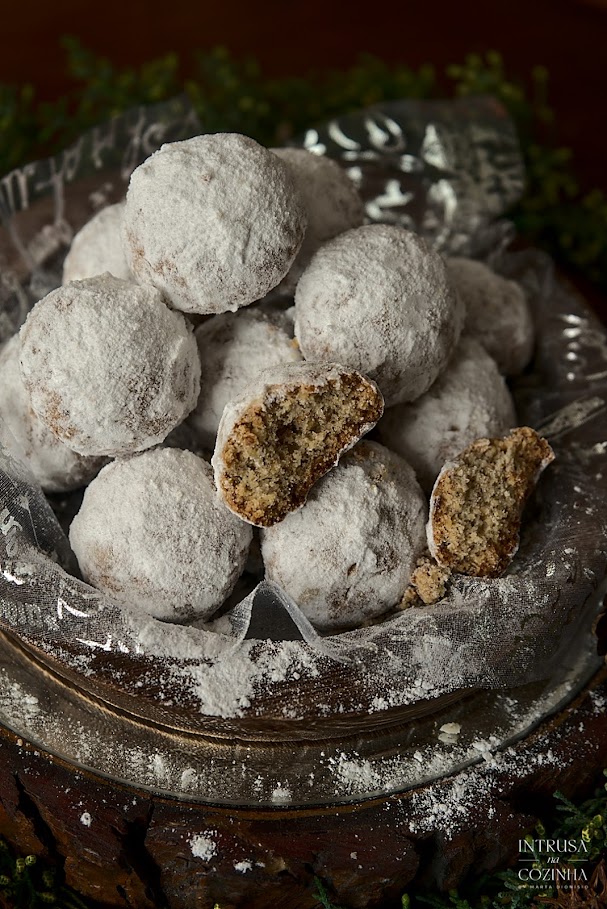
(477, 502)
(276, 441)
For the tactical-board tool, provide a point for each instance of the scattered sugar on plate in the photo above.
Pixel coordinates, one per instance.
(203, 846)
(451, 728)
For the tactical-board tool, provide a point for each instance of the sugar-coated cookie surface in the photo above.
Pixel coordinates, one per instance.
(377, 299)
(287, 431)
(469, 400)
(152, 534)
(347, 555)
(56, 467)
(497, 313)
(97, 248)
(477, 502)
(110, 369)
(234, 349)
(331, 200)
(214, 222)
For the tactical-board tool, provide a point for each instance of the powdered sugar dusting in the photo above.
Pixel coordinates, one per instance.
(468, 401)
(109, 405)
(203, 845)
(228, 686)
(281, 794)
(448, 807)
(214, 222)
(377, 299)
(497, 313)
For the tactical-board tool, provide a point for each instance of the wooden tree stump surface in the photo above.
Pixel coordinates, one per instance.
(125, 847)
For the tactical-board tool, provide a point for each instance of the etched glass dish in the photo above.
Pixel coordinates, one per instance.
(257, 707)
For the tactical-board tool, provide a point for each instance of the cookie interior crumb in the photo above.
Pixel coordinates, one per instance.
(280, 446)
(430, 580)
(478, 500)
(410, 598)
(428, 584)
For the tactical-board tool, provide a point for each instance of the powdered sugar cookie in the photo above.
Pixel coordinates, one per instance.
(214, 222)
(109, 368)
(347, 555)
(56, 467)
(152, 533)
(97, 248)
(377, 299)
(469, 400)
(497, 313)
(331, 200)
(234, 349)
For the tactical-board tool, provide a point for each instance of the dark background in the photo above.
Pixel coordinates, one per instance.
(568, 37)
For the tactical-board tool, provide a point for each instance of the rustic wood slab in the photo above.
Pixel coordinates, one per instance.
(125, 847)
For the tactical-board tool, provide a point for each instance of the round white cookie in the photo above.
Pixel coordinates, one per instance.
(109, 368)
(214, 222)
(468, 401)
(347, 555)
(152, 534)
(377, 299)
(56, 467)
(497, 313)
(234, 349)
(97, 248)
(331, 200)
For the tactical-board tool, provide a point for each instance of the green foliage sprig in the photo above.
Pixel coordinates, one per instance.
(504, 890)
(231, 94)
(554, 212)
(28, 883)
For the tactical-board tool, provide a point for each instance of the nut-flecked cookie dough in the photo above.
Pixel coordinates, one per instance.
(151, 533)
(347, 555)
(97, 248)
(214, 222)
(286, 432)
(110, 369)
(331, 200)
(478, 499)
(377, 299)
(497, 313)
(468, 401)
(55, 466)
